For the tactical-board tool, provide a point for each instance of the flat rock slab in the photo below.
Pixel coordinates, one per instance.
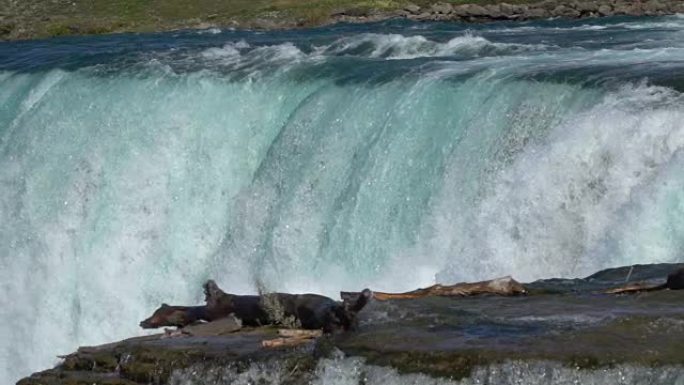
(566, 322)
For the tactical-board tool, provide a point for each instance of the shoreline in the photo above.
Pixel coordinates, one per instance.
(22, 24)
(474, 13)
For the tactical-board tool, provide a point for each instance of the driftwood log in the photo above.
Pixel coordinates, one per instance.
(292, 337)
(499, 286)
(299, 333)
(635, 287)
(675, 281)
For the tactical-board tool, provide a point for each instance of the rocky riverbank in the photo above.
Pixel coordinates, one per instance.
(31, 19)
(504, 11)
(564, 331)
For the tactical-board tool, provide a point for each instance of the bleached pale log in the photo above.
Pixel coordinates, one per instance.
(499, 286)
(299, 333)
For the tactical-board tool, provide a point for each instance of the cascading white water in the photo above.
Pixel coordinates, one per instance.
(373, 159)
(353, 371)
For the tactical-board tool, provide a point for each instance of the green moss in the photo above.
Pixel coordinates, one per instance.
(59, 29)
(456, 366)
(55, 377)
(102, 362)
(586, 363)
(148, 365)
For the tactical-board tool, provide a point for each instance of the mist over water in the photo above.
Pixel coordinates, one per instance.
(389, 156)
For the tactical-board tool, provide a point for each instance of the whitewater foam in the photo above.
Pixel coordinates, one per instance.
(352, 371)
(371, 45)
(398, 47)
(553, 208)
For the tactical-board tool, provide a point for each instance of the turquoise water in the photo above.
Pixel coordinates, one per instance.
(390, 156)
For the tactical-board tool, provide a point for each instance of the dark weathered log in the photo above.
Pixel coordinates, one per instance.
(219, 327)
(309, 311)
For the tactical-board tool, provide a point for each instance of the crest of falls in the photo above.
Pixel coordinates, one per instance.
(390, 156)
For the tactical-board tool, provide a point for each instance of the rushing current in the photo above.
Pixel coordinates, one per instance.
(390, 155)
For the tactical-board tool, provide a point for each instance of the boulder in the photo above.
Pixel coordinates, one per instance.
(537, 13)
(654, 7)
(605, 10)
(587, 7)
(507, 9)
(412, 9)
(476, 10)
(548, 5)
(494, 11)
(564, 11)
(627, 9)
(442, 8)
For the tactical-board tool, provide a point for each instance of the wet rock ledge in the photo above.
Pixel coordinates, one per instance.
(503, 11)
(563, 331)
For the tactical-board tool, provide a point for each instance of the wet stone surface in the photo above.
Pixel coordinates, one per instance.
(564, 325)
